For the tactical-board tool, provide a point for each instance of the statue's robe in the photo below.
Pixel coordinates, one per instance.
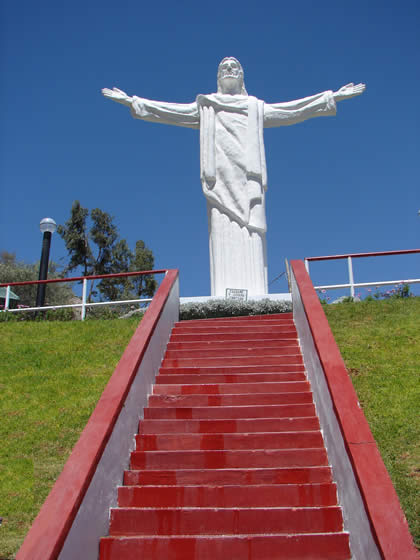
(234, 175)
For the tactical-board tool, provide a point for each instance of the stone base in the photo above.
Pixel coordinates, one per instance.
(201, 299)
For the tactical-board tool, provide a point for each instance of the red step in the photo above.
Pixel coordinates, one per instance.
(228, 426)
(229, 461)
(232, 361)
(268, 440)
(230, 412)
(235, 323)
(272, 317)
(233, 370)
(241, 399)
(232, 389)
(241, 351)
(239, 325)
(192, 336)
(210, 521)
(227, 322)
(239, 547)
(284, 317)
(280, 495)
(240, 329)
(221, 344)
(201, 379)
(214, 477)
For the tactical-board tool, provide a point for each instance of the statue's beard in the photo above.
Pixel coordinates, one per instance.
(231, 83)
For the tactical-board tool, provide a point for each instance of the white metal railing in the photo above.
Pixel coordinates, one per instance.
(84, 304)
(351, 283)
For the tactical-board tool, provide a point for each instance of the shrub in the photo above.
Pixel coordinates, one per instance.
(65, 314)
(105, 311)
(12, 270)
(232, 308)
(398, 292)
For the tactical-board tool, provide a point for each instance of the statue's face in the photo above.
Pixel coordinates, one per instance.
(230, 76)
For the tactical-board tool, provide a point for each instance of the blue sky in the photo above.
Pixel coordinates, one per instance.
(340, 184)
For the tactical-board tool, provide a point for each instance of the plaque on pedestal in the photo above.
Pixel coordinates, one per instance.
(236, 294)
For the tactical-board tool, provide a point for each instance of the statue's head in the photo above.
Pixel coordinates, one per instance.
(230, 77)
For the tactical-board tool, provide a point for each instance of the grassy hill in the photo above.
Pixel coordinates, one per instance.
(380, 344)
(53, 373)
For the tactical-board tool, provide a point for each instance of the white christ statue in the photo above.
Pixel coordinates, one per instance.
(233, 169)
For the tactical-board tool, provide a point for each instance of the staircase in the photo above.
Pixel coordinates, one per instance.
(229, 462)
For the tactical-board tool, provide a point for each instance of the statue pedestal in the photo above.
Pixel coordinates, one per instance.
(273, 297)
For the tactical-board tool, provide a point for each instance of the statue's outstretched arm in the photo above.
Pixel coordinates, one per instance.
(318, 105)
(118, 95)
(179, 114)
(348, 91)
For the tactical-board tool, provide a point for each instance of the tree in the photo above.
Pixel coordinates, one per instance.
(75, 236)
(143, 260)
(12, 270)
(123, 260)
(120, 261)
(97, 249)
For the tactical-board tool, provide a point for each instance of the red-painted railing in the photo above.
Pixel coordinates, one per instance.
(84, 279)
(381, 502)
(361, 255)
(49, 531)
(351, 284)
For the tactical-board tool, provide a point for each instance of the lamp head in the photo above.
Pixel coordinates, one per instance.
(47, 224)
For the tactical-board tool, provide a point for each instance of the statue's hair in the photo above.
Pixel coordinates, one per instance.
(241, 73)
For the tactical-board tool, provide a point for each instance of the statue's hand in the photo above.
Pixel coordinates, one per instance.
(117, 95)
(348, 91)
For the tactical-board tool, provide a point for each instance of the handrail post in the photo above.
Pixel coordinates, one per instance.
(307, 265)
(6, 301)
(351, 278)
(84, 292)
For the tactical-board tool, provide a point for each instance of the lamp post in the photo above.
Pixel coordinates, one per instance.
(47, 227)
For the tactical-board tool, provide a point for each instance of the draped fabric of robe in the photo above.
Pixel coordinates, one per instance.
(233, 174)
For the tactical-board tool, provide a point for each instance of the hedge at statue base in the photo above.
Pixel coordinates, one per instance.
(231, 308)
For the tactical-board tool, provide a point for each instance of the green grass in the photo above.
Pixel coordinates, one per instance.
(52, 375)
(380, 344)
